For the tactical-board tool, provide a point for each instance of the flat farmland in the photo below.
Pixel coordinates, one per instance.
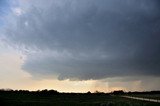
(67, 99)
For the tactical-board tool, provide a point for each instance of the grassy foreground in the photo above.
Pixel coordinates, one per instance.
(66, 99)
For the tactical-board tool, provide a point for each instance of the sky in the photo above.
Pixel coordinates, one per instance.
(80, 45)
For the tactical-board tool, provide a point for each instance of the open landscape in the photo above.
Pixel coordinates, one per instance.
(79, 52)
(149, 96)
(54, 98)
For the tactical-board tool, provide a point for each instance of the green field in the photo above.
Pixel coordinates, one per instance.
(33, 99)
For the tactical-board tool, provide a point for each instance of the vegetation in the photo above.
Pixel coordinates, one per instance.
(54, 98)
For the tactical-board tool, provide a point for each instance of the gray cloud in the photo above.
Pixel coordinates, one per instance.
(88, 39)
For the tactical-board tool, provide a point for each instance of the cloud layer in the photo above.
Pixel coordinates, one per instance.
(87, 39)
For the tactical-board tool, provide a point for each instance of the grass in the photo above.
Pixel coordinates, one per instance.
(33, 99)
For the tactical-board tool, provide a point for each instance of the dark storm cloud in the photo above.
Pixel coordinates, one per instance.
(89, 39)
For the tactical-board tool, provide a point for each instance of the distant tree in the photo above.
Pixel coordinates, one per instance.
(45, 90)
(96, 91)
(118, 92)
(88, 92)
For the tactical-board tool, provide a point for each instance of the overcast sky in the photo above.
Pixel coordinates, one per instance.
(102, 44)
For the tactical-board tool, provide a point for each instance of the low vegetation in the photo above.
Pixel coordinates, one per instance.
(54, 98)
